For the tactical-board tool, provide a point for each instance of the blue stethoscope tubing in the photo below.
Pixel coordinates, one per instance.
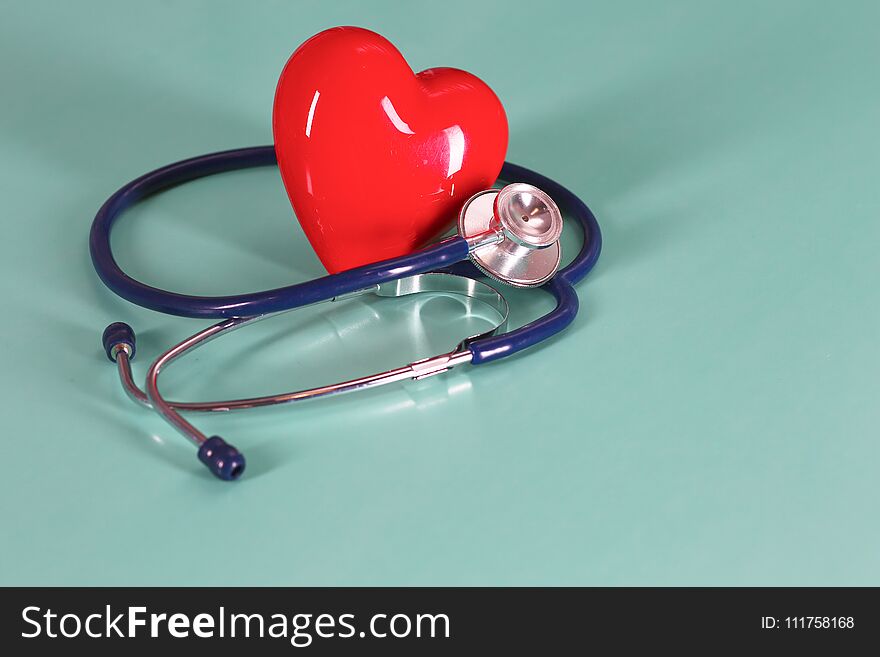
(449, 254)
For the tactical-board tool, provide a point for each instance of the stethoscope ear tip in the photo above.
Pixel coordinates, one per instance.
(222, 459)
(119, 336)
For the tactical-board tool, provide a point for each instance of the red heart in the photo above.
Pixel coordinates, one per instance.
(376, 160)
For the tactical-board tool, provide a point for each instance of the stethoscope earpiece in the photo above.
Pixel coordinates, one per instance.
(513, 234)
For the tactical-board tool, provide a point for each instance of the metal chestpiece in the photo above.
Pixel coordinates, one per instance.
(513, 233)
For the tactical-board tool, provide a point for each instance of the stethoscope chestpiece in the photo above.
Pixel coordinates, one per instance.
(513, 233)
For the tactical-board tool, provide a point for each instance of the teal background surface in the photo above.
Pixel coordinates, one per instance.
(710, 418)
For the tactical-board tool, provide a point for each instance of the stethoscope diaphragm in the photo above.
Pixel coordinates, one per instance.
(526, 224)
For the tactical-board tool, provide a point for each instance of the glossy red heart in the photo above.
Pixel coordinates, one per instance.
(377, 161)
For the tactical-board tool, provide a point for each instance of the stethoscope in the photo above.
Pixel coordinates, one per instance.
(510, 234)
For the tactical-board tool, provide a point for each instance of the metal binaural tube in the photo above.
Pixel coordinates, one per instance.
(424, 283)
(223, 459)
(123, 366)
(160, 405)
